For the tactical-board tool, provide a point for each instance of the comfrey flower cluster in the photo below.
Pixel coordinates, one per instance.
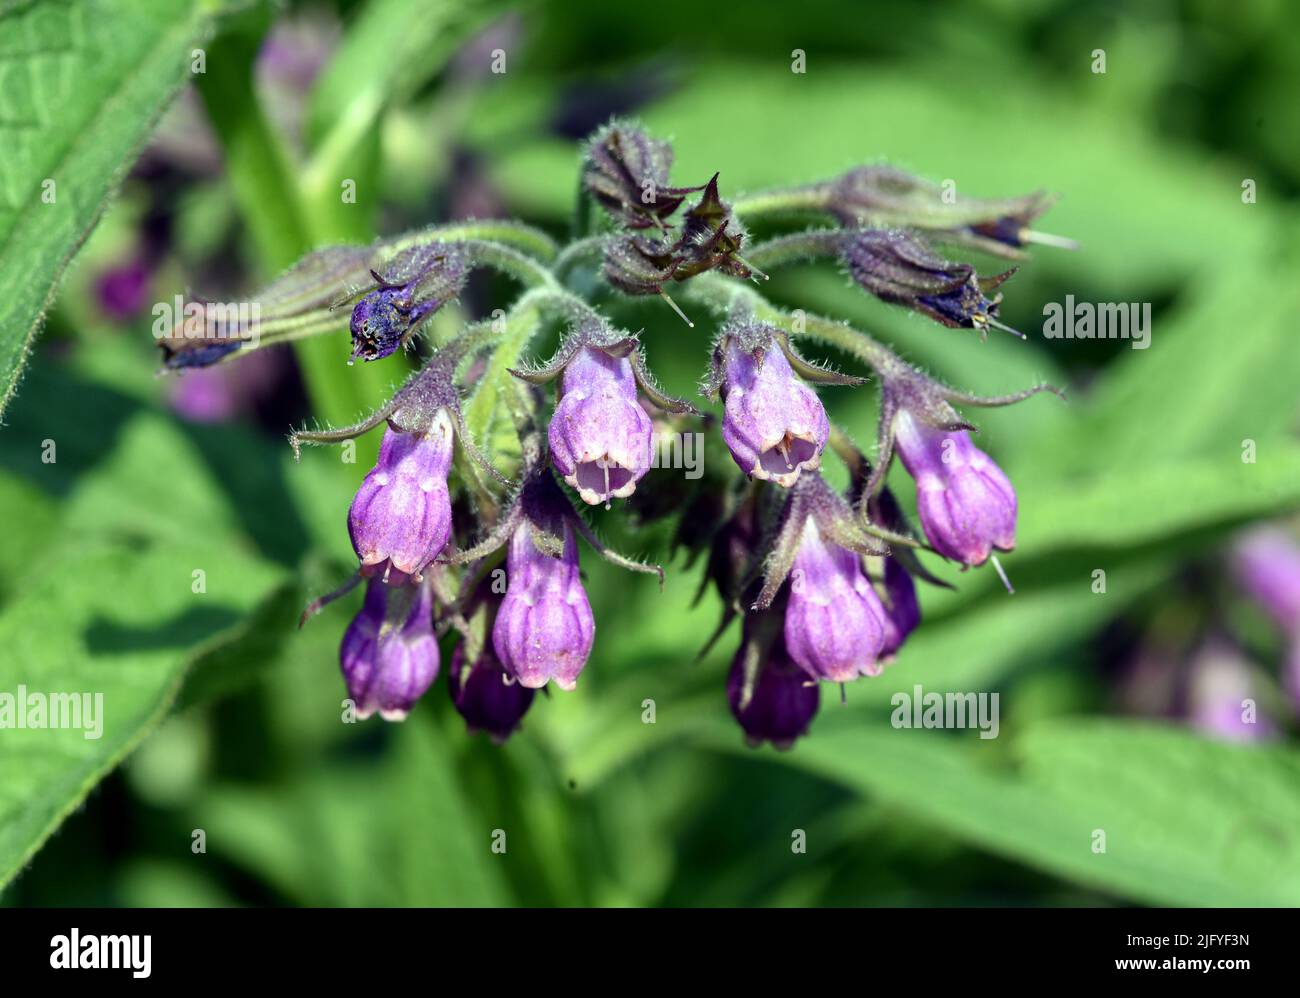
(471, 519)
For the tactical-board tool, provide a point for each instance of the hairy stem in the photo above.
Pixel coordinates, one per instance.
(725, 295)
(782, 201)
(576, 251)
(515, 235)
(795, 248)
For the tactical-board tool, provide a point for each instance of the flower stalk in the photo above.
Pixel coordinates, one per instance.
(472, 520)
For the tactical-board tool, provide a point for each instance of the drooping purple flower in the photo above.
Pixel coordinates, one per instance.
(486, 695)
(902, 611)
(966, 504)
(1267, 563)
(544, 627)
(601, 438)
(774, 424)
(400, 519)
(389, 654)
(834, 621)
(782, 701)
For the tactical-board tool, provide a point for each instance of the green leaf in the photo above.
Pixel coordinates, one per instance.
(393, 830)
(1187, 821)
(84, 84)
(1219, 371)
(117, 623)
(1148, 502)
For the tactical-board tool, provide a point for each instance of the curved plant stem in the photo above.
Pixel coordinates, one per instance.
(795, 248)
(782, 201)
(576, 251)
(515, 235)
(509, 261)
(726, 295)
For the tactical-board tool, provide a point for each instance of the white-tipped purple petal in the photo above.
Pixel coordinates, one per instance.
(544, 627)
(774, 424)
(601, 439)
(966, 505)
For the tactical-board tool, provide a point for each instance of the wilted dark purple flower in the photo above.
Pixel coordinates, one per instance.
(780, 703)
(486, 695)
(898, 267)
(966, 504)
(379, 321)
(902, 611)
(413, 285)
(400, 519)
(834, 621)
(601, 438)
(774, 424)
(710, 239)
(389, 654)
(1267, 562)
(544, 627)
(626, 171)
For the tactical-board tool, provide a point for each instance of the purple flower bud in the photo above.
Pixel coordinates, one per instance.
(902, 611)
(966, 504)
(601, 439)
(389, 654)
(485, 694)
(544, 626)
(627, 173)
(1267, 562)
(774, 424)
(883, 196)
(781, 704)
(900, 268)
(834, 622)
(400, 519)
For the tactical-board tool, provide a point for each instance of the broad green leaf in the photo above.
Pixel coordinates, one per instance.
(84, 84)
(133, 502)
(1187, 821)
(317, 839)
(118, 628)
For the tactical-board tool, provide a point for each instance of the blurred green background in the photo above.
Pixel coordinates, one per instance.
(226, 719)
